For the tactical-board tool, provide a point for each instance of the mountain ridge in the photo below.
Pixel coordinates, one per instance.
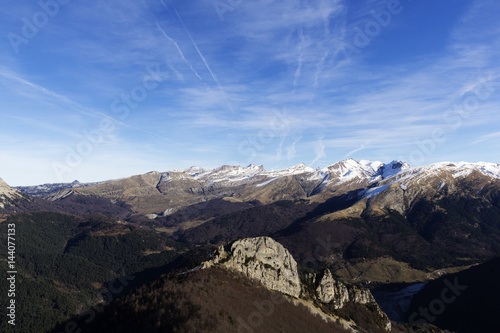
(346, 169)
(161, 192)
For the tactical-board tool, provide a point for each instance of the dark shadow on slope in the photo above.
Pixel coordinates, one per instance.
(252, 222)
(329, 206)
(463, 302)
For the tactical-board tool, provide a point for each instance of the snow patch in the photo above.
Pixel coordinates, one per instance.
(373, 192)
(267, 182)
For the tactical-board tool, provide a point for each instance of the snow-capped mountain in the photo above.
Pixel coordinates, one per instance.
(439, 175)
(46, 189)
(338, 173)
(365, 179)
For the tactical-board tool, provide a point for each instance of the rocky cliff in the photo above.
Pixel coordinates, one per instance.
(263, 259)
(338, 294)
(267, 261)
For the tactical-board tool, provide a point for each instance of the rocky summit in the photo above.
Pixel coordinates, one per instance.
(263, 259)
(268, 262)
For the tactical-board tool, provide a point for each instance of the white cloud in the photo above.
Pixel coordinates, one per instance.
(487, 137)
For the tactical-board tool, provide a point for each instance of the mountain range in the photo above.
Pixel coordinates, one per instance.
(368, 224)
(168, 191)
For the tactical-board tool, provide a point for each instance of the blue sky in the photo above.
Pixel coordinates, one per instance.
(94, 91)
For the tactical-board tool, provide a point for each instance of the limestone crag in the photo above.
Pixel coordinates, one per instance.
(263, 259)
(331, 291)
(267, 261)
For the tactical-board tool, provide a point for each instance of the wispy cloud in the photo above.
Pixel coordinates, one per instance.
(214, 77)
(319, 150)
(178, 49)
(487, 137)
(60, 98)
(265, 57)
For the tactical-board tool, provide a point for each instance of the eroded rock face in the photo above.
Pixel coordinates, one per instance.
(337, 293)
(263, 259)
(333, 291)
(267, 261)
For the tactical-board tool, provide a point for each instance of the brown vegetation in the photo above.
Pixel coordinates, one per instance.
(209, 300)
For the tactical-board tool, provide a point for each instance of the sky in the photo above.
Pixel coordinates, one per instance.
(100, 90)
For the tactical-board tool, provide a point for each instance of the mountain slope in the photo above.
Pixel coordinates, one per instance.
(64, 262)
(156, 193)
(267, 261)
(351, 222)
(8, 195)
(226, 296)
(210, 300)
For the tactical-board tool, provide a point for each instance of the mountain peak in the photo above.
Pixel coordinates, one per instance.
(5, 189)
(7, 193)
(261, 258)
(2, 183)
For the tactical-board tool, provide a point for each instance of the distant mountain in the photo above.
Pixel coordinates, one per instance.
(157, 192)
(369, 221)
(46, 189)
(8, 195)
(430, 217)
(376, 185)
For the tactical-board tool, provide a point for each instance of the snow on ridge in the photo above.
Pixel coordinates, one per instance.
(267, 182)
(393, 168)
(456, 170)
(373, 171)
(294, 170)
(464, 169)
(374, 191)
(346, 171)
(349, 169)
(342, 171)
(230, 173)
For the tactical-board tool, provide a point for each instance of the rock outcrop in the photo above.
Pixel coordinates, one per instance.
(263, 259)
(331, 291)
(267, 261)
